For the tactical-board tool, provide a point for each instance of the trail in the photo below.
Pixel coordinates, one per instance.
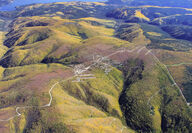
(180, 64)
(78, 72)
(174, 83)
(51, 97)
(43, 106)
(149, 100)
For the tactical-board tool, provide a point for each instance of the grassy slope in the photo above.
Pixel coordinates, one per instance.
(161, 16)
(158, 102)
(53, 38)
(178, 63)
(179, 32)
(76, 106)
(89, 106)
(2, 34)
(163, 40)
(131, 32)
(49, 41)
(154, 14)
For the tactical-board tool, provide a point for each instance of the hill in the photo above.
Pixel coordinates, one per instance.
(69, 67)
(179, 32)
(170, 3)
(155, 19)
(152, 14)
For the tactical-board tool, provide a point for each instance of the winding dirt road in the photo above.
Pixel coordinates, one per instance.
(78, 72)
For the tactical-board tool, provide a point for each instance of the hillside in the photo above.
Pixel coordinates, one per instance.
(170, 3)
(153, 14)
(156, 21)
(70, 67)
(131, 32)
(179, 32)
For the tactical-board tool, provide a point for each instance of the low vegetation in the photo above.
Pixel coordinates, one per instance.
(179, 32)
(132, 33)
(144, 109)
(130, 91)
(164, 40)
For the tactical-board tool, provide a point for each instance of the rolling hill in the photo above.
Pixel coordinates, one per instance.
(163, 3)
(85, 67)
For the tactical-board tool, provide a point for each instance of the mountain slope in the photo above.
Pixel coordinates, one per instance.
(170, 3)
(66, 67)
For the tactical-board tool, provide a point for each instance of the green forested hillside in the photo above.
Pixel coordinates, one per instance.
(90, 67)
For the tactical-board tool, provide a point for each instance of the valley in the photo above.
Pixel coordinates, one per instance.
(95, 67)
